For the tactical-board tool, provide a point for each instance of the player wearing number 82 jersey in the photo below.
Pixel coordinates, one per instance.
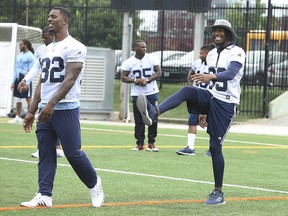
(54, 62)
(57, 97)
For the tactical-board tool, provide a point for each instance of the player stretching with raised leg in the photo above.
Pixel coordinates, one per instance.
(218, 104)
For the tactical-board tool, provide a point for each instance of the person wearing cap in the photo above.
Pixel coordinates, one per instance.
(217, 106)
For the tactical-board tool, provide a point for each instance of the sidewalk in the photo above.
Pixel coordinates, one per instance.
(263, 126)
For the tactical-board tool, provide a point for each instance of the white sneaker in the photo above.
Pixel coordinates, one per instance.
(35, 154)
(59, 153)
(97, 195)
(16, 120)
(38, 200)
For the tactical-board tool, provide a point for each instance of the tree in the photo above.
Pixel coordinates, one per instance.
(93, 22)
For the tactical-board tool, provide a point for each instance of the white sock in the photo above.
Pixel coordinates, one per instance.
(191, 140)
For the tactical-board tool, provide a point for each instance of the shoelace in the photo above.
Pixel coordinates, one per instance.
(213, 195)
(98, 191)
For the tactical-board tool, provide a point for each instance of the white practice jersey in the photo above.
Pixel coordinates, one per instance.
(36, 67)
(228, 91)
(142, 68)
(196, 64)
(40, 51)
(53, 66)
(202, 68)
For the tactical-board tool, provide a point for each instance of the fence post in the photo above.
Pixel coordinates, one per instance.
(126, 52)
(162, 45)
(267, 49)
(198, 34)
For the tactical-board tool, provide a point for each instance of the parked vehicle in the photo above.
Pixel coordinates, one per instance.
(279, 75)
(176, 70)
(254, 66)
(118, 63)
(168, 55)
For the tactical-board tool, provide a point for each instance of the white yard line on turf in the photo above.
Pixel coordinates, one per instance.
(182, 136)
(157, 176)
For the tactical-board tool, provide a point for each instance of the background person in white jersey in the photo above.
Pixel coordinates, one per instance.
(24, 87)
(142, 70)
(198, 66)
(226, 62)
(57, 97)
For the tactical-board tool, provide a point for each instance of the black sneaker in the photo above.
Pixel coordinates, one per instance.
(208, 153)
(186, 151)
(148, 111)
(215, 198)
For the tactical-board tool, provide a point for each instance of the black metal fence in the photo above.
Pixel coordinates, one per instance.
(265, 76)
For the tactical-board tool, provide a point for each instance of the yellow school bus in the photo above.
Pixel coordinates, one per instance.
(256, 40)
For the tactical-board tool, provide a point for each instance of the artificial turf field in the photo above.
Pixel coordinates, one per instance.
(145, 183)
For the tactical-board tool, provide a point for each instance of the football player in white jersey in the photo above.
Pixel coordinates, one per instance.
(47, 39)
(57, 97)
(198, 66)
(218, 104)
(142, 70)
(22, 86)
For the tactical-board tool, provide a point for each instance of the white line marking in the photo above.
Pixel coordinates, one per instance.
(158, 176)
(197, 137)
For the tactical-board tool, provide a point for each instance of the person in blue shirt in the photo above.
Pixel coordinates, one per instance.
(24, 61)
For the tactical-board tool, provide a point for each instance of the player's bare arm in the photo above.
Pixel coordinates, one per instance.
(156, 75)
(73, 70)
(30, 117)
(189, 79)
(203, 78)
(125, 78)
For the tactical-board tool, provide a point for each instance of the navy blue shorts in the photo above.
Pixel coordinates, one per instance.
(16, 93)
(220, 114)
(193, 119)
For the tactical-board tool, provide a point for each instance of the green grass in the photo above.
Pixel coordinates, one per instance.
(260, 165)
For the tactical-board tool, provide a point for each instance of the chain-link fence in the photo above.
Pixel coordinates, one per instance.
(169, 35)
